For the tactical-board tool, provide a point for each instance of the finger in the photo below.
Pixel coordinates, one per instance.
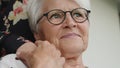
(26, 47)
(42, 44)
(27, 41)
(57, 53)
(38, 42)
(61, 62)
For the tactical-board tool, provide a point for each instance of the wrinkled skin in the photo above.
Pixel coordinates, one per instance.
(57, 46)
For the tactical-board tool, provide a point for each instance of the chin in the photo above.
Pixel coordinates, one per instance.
(71, 48)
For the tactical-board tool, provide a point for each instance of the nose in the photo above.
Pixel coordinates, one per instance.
(69, 22)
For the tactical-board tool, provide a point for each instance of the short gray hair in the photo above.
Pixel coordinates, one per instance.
(34, 10)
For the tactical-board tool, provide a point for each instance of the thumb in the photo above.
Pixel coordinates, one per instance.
(24, 49)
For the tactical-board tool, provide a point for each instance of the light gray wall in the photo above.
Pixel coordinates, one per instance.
(104, 41)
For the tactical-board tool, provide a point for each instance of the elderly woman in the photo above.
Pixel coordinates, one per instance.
(61, 29)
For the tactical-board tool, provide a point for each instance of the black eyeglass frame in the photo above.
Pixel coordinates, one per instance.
(46, 15)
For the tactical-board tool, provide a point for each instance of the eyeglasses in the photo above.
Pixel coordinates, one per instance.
(57, 16)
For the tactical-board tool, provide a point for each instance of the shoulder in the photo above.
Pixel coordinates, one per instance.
(9, 61)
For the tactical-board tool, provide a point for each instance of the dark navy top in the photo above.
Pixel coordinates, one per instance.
(14, 26)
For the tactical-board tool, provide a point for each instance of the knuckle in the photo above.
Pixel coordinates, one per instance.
(58, 52)
(46, 42)
(37, 42)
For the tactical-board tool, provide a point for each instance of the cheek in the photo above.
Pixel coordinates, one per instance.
(84, 30)
(50, 34)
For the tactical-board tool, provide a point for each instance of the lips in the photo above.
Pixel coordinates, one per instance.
(70, 35)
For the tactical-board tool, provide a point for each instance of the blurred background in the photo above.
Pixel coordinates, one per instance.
(118, 2)
(104, 40)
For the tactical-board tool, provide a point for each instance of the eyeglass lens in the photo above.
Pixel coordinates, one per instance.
(57, 16)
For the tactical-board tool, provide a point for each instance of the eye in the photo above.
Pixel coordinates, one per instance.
(77, 15)
(55, 16)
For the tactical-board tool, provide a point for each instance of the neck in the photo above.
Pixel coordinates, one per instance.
(74, 62)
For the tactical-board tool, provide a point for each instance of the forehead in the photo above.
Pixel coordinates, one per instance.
(59, 4)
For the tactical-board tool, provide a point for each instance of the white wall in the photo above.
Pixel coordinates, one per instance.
(104, 41)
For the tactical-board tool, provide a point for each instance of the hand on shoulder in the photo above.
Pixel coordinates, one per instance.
(42, 54)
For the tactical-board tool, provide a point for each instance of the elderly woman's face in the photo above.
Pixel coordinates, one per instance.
(70, 37)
